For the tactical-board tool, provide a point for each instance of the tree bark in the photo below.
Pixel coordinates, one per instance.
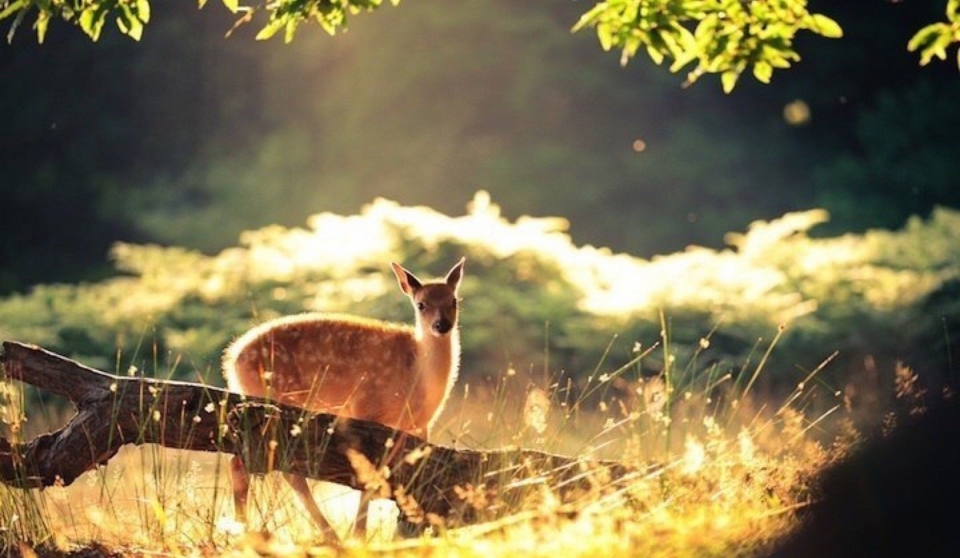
(430, 483)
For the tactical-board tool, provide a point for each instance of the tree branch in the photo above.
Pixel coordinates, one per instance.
(429, 482)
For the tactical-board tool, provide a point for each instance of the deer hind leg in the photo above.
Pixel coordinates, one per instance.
(240, 483)
(366, 496)
(299, 485)
(405, 528)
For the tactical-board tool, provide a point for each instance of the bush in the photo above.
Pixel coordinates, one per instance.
(533, 299)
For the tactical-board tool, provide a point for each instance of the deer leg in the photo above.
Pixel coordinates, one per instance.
(363, 512)
(240, 483)
(299, 485)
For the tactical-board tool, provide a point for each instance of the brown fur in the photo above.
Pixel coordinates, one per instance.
(339, 364)
(354, 367)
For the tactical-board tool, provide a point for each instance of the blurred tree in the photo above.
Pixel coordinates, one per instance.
(908, 143)
(503, 99)
(84, 125)
(187, 138)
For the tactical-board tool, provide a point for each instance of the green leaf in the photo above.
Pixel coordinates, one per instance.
(763, 71)
(953, 10)
(926, 35)
(270, 29)
(43, 20)
(232, 5)
(605, 34)
(630, 48)
(589, 18)
(91, 22)
(289, 31)
(827, 27)
(655, 55)
(729, 80)
(681, 61)
(327, 23)
(10, 9)
(143, 10)
(129, 24)
(15, 25)
(671, 41)
(136, 29)
(937, 47)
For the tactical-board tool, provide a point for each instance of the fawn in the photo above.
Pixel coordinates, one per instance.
(353, 367)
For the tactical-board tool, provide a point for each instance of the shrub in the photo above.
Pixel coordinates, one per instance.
(533, 299)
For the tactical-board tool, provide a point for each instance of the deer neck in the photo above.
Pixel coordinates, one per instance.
(437, 362)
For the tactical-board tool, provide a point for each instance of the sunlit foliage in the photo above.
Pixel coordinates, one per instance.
(131, 15)
(934, 39)
(532, 298)
(725, 37)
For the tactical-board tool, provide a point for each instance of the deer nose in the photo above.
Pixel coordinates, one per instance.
(442, 326)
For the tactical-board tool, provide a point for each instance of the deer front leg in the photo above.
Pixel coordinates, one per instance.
(240, 483)
(299, 485)
(363, 512)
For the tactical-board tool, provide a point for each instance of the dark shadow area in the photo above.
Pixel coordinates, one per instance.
(897, 497)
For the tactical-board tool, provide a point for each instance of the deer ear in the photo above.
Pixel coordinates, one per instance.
(455, 274)
(408, 281)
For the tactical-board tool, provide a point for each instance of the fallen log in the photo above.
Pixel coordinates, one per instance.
(430, 483)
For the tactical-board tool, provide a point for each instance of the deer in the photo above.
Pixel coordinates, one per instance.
(353, 367)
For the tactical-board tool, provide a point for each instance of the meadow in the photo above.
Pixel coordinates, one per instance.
(727, 379)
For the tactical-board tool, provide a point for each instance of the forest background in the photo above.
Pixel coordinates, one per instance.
(186, 138)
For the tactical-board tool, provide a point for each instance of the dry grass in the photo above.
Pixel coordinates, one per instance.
(719, 474)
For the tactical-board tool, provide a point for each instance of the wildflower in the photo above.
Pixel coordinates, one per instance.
(654, 393)
(747, 448)
(536, 409)
(905, 382)
(416, 455)
(694, 457)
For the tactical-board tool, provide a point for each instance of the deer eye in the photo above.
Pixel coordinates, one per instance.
(421, 306)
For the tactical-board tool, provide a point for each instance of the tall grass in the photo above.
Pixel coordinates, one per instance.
(718, 471)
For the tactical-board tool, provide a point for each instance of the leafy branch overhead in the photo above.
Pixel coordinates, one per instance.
(934, 39)
(130, 16)
(725, 37)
